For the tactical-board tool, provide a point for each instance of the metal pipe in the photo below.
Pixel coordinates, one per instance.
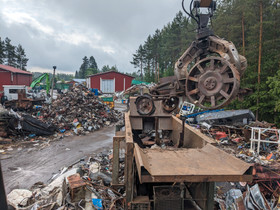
(182, 134)
(54, 68)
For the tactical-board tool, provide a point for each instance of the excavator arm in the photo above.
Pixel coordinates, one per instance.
(39, 79)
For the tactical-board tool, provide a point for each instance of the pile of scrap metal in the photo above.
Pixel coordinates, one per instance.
(135, 90)
(138, 89)
(262, 193)
(237, 133)
(14, 123)
(78, 110)
(245, 197)
(23, 102)
(85, 184)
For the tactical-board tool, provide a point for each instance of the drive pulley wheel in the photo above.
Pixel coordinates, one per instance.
(170, 104)
(145, 105)
(212, 83)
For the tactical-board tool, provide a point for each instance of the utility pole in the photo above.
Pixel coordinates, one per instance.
(260, 58)
(54, 68)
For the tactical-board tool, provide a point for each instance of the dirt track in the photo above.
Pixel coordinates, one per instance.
(21, 169)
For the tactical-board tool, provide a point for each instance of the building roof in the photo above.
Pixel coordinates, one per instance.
(14, 70)
(79, 80)
(108, 72)
(137, 82)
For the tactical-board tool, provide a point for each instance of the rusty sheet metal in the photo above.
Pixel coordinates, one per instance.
(77, 187)
(75, 181)
(193, 138)
(190, 165)
(205, 3)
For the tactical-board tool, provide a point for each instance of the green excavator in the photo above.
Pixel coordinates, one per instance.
(39, 79)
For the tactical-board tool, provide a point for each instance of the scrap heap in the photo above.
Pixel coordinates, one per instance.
(80, 110)
(84, 185)
(237, 133)
(21, 124)
(76, 112)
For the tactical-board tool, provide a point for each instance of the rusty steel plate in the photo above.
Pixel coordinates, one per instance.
(205, 3)
(206, 164)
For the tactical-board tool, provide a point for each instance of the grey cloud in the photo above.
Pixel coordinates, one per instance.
(122, 25)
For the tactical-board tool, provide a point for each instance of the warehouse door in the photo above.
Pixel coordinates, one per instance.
(108, 85)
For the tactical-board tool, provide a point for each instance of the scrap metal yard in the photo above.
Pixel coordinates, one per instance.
(196, 126)
(217, 154)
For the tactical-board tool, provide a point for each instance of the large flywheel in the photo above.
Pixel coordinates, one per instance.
(212, 83)
(145, 105)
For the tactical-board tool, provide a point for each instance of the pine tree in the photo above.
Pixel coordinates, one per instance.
(21, 60)
(92, 63)
(138, 60)
(157, 56)
(76, 75)
(114, 68)
(83, 68)
(105, 68)
(2, 51)
(10, 54)
(93, 68)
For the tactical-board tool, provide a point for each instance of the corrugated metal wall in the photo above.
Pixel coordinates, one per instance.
(9, 78)
(5, 79)
(122, 82)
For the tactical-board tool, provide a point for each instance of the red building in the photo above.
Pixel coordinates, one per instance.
(110, 82)
(13, 76)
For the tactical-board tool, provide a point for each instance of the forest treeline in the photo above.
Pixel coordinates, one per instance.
(252, 25)
(12, 55)
(89, 67)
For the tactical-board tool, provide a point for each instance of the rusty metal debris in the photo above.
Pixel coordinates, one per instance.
(76, 187)
(264, 191)
(23, 103)
(76, 112)
(78, 192)
(13, 123)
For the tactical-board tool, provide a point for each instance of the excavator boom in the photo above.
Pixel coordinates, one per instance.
(39, 79)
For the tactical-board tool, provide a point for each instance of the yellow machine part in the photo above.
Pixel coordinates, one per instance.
(111, 104)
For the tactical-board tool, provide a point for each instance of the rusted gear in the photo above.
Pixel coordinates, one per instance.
(212, 83)
(145, 105)
(170, 104)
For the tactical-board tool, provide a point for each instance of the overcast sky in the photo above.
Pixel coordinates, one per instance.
(62, 32)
